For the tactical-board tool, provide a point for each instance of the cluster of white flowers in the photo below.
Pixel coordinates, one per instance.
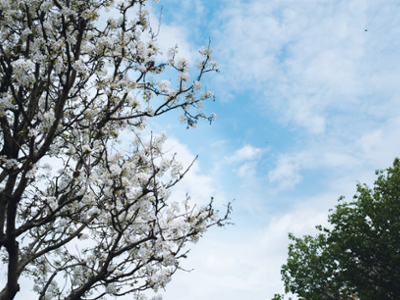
(197, 85)
(160, 279)
(59, 65)
(111, 288)
(206, 51)
(80, 67)
(182, 118)
(142, 68)
(184, 76)
(150, 111)
(200, 65)
(172, 52)
(47, 120)
(23, 71)
(115, 170)
(25, 33)
(163, 86)
(104, 42)
(5, 103)
(86, 149)
(32, 172)
(207, 94)
(114, 24)
(92, 84)
(182, 64)
(8, 163)
(213, 64)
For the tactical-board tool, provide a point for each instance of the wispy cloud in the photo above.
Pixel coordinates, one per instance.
(243, 261)
(311, 68)
(308, 58)
(245, 153)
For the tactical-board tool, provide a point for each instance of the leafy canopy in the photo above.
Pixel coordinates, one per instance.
(360, 257)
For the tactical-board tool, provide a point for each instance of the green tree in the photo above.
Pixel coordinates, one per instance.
(359, 258)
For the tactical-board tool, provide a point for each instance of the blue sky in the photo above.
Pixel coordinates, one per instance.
(307, 104)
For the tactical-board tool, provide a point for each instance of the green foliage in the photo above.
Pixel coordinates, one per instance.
(360, 257)
(279, 297)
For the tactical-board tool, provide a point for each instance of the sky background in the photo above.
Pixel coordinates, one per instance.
(308, 106)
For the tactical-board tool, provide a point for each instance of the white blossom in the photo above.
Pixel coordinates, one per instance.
(172, 52)
(182, 119)
(32, 172)
(184, 76)
(182, 64)
(142, 68)
(86, 149)
(197, 85)
(115, 170)
(77, 164)
(213, 64)
(163, 85)
(111, 288)
(79, 66)
(206, 51)
(22, 69)
(5, 103)
(200, 65)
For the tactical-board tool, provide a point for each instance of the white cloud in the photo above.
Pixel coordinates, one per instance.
(286, 173)
(378, 146)
(174, 34)
(171, 35)
(198, 185)
(220, 263)
(245, 261)
(248, 170)
(310, 57)
(247, 152)
(335, 156)
(311, 66)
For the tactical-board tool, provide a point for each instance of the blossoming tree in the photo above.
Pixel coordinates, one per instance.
(69, 85)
